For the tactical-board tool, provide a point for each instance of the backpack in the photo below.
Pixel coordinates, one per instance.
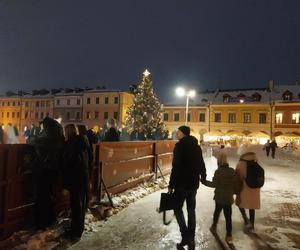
(255, 177)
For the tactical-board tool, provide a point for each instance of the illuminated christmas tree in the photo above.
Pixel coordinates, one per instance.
(145, 114)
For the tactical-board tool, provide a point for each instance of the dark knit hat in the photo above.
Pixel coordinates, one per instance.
(185, 130)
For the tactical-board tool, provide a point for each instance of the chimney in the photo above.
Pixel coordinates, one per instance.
(271, 85)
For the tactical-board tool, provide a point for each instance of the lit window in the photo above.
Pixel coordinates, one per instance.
(231, 118)
(287, 96)
(296, 118)
(278, 118)
(166, 116)
(247, 117)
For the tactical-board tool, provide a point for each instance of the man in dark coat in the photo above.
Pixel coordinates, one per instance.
(187, 167)
(48, 147)
(273, 146)
(75, 172)
(111, 134)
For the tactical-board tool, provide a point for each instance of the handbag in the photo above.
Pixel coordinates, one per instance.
(167, 202)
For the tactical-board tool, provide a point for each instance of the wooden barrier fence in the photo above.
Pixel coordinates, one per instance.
(121, 165)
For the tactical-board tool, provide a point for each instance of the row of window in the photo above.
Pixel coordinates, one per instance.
(26, 103)
(176, 117)
(35, 115)
(295, 118)
(106, 100)
(42, 115)
(286, 96)
(262, 118)
(13, 103)
(10, 114)
(57, 102)
(96, 115)
(231, 117)
(32, 115)
(37, 104)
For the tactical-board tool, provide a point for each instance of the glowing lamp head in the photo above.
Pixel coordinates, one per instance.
(192, 93)
(180, 92)
(241, 101)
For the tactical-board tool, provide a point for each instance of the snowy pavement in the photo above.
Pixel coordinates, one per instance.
(139, 226)
(136, 225)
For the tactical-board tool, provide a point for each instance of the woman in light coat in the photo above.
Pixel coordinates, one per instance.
(248, 198)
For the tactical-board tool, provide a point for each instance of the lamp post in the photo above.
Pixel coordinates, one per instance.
(190, 93)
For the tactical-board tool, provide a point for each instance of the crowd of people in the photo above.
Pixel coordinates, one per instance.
(9, 134)
(63, 156)
(188, 169)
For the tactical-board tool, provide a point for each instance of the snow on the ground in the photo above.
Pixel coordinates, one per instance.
(95, 219)
(276, 224)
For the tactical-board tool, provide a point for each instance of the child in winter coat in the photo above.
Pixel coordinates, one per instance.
(225, 183)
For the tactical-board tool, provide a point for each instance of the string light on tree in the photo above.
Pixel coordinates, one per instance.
(146, 111)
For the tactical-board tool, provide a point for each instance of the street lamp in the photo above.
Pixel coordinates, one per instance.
(190, 93)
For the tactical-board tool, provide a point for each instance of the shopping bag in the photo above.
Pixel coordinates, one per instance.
(167, 202)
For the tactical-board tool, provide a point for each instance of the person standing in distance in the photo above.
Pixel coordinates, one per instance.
(187, 167)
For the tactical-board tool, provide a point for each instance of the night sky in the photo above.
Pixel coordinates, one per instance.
(196, 43)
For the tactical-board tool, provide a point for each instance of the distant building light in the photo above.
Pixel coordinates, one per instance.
(241, 101)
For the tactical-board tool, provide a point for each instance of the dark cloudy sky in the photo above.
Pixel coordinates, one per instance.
(197, 43)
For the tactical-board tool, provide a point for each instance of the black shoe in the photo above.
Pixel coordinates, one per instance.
(183, 243)
(213, 229)
(69, 235)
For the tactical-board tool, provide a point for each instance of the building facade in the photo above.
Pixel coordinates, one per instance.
(90, 107)
(261, 112)
(35, 108)
(99, 105)
(10, 110)
(68, 107)
(253, 113)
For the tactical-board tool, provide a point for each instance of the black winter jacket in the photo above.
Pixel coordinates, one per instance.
(111, 135)
(187, 164)
(75, 170)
